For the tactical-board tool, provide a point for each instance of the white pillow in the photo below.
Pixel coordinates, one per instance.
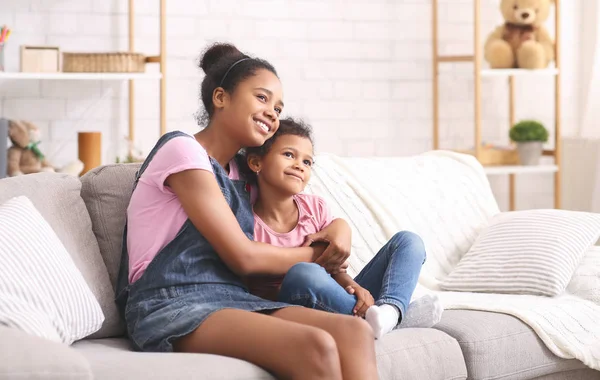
(41, 290)
(526, 252)
(586, 279)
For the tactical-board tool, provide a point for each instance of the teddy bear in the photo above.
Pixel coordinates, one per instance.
(25, 157)
(522, 41)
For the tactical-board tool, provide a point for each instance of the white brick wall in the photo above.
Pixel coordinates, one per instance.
(358, 70)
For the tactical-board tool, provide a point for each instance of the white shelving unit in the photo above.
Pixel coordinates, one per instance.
(520, 169)
(160, 59)
(518, 72)
(479, 71)
(79, 76)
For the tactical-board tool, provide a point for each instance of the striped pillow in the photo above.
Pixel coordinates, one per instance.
(41, 290)
(526, 252)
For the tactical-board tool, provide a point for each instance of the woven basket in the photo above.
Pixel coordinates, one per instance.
(103, 62)
(491, 156)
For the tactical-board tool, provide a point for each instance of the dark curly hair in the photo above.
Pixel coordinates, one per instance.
(287, 126)
(225, 66)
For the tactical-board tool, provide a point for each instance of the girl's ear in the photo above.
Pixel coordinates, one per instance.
(254, 163)
(219, 97)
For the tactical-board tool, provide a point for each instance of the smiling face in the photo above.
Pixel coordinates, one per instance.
(526, 12)
(287, 166)
(251, 113)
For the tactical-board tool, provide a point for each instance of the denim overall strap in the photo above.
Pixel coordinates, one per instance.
(122, 287)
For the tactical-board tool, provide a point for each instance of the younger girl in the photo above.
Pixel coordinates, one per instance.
(286, 217)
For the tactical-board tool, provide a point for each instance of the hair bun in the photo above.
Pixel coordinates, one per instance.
(216, 52)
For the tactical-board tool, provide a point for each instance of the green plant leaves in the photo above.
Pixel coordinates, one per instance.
(528, 130)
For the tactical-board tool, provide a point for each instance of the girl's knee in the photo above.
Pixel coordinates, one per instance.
(360, 328)
(357, 328)
(407, 242)
(321, 342)
(304, 273)
(319, 354)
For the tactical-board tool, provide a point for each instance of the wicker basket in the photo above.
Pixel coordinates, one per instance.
(492, 156)
(103, 62)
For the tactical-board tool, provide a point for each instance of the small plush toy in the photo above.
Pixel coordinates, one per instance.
(25, 156)
(523, 41)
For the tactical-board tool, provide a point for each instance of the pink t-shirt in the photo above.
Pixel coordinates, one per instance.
(313, 216)
(155, 214)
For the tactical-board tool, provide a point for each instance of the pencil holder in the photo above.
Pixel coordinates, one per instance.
(2, 45)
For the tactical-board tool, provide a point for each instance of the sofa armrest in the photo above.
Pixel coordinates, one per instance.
(25, 356)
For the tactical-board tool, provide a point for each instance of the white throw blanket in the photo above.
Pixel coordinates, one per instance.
(446, 198)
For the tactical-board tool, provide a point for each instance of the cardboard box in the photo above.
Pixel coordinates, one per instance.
(40, 59)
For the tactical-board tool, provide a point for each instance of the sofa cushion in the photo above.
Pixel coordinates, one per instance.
(26, 356)
(405, 354)
(500, 346)
(57, 198)
(106, 191)
(419, 354)
(41, 290)
(577, 374)
(585, 282)
(112, 359)
(526, 252)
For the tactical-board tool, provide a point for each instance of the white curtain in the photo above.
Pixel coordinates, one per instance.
(590, 66)
(581, 152)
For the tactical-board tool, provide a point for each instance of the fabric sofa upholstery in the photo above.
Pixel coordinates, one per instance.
(88, 215)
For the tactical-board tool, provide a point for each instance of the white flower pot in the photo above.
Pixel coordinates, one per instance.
(530, 152)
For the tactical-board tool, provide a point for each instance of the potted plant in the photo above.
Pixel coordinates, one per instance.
(530, 136)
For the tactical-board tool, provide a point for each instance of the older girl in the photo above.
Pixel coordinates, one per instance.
(189, 241)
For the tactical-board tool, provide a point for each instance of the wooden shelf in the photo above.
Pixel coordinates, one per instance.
(482, 70)
(520, 169)
(518, 72)
(79, 76)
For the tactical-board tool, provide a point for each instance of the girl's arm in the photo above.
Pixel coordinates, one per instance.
(203, 202)
(344, 279)
(338, 235)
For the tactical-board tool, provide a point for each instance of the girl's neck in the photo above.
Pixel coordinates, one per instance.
(218, 146)
(278, 211)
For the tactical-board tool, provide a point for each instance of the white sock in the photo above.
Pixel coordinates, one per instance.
(382, 319)
(423, 312)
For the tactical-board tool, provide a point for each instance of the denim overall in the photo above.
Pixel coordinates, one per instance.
(187, 280)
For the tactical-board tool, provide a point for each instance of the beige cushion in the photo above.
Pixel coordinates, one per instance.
(113, 359)
(24, 356)
(402, 354)
(526, 252)
(577, 374)
(106, 191)
(500, 346)
(57, 198)
(419, 354)
(585, 282)
(41, 290)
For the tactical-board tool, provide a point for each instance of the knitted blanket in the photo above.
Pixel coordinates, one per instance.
(446, 198)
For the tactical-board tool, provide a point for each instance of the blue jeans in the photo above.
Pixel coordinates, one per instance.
(391, 277)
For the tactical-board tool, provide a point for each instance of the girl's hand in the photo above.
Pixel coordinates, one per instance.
(338, 235)
(319, 248)
(364, 299)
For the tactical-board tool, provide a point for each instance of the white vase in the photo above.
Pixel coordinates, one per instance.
(530, 152)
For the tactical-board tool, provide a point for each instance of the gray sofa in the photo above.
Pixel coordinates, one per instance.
(88, 215)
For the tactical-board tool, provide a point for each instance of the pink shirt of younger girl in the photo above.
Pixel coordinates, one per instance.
(155, 214)
(313, 216)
